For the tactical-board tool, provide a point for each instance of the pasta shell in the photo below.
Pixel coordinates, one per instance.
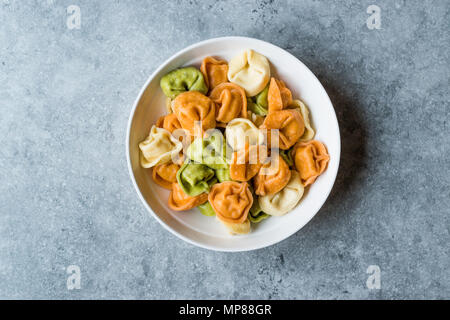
(278, 97)
(310, 159)
(214, 72)
(240, 132)
(290, 127)
(159, 147)
(193, 106)
(272, 177)
(249, 70)
(165, 174)
(285, 200)
(230, 101)
(180, 201)
(231, 201)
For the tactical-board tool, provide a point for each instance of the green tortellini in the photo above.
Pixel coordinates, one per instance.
(259, 104)
(223, 175)
(287, 156)
(195, 178)
(210, 151)
(181, 80)
(206, 209)
(255, 214)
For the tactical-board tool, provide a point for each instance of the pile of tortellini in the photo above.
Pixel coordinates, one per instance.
(234, 143)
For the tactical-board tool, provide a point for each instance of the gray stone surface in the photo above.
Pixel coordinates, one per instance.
(66, 198)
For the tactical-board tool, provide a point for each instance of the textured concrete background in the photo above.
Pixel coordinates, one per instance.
(66, 198)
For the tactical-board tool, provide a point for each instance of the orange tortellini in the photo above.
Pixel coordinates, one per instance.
(310, 159)
(231, 201)
(272, 177)
(234, 143)
(180, 201)
(230, 101)
(191, 107)
(290, 127)
(169, 122)
(278, 97)
(165, 174)
(247, 162)
(214, 72)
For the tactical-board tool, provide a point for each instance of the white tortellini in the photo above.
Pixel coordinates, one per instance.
(250, 70)
(237, 228)
(285, 200)
(239, 131)
(309, 131)
(169, 105)
(159, 147)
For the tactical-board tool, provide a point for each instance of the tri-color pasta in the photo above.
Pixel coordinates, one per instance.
(235, 143)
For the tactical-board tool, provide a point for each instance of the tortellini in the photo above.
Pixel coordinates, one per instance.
(214, 72)
(180, 201)
(237, 228)
(311, 159)
(195, 178)
(169, 122)
(206, 209)
(287, 156)
(223, 174)
(165, 174)
(285, 200)
(259, 103)
(256, 119)
(210, 150)
(290, 127)
(278, 97)
(249, 70)
(256, 214)
(234, 142)
(181, 80)
(159, 147)
(240, 132)
(247, 162)
(230, 101)
(309, 131)
(272, 177)
(231, 201)
(191, 107)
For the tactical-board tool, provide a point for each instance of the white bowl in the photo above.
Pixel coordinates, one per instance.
(192, 226)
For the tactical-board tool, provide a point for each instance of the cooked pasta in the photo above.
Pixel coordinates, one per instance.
(285, 200)
(159, 147)
(234, 143)
(249, 70)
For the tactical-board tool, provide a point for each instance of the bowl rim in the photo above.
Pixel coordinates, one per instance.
(130, 169)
